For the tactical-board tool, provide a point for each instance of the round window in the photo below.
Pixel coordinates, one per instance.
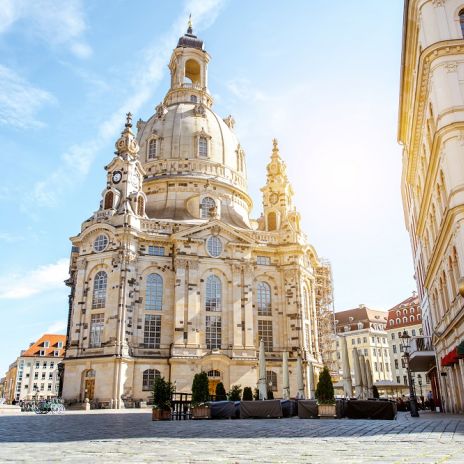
(101, 242)
(214, 246)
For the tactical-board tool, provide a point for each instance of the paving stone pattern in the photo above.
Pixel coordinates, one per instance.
(131, 436)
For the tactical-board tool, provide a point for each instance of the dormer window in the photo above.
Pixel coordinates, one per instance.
(152, 149)
(60, 345)
(202, 147)
(46, 344)
(208, 205)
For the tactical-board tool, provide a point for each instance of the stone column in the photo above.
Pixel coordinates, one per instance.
(179, 301)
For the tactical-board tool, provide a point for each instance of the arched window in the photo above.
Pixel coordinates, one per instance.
(271, 221)
(392, 321)
(202, 147)
(149, 376)
(213, 294)
(461, 21)
(152, 149)
(140, 206)
(405, 319)
(419, 317)
(154, 292)
(264, 299)
(360, 325)
(99, 290)
(109, 199)
(207, 205)
(271, 380)
(411, 318)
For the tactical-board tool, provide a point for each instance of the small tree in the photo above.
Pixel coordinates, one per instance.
(256, 394)
(375, 392)
(270, 395)
(162, 393)
(200, 389)
(325, 390)
(247, 394)
(235, 393)
(220, 392)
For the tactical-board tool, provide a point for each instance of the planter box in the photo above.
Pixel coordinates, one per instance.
(201, 412)
(327, 410)
(159, 414)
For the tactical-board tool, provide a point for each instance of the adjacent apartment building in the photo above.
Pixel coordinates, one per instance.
(365, 330)
(35, 372)
(406, 316)
(431, 130)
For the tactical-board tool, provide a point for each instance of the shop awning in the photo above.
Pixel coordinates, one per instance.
(450, 358)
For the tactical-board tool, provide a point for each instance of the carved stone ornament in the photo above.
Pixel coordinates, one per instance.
(193, 264)
(437, 3)
(180, 263)
(230, 121)
(451, 67)
(199, 110)
(289, 276)
(129, 256)
(81, 264)
(161, 111)
(215, 230)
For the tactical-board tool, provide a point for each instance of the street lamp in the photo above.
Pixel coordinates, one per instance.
(406, 345)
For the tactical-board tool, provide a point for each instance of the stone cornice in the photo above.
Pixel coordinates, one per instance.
(427, 57)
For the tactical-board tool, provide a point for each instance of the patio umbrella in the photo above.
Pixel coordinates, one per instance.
(357, 374)
(262, 385)
(299, 377)
(285, 380)
(370, 390)
(310, 377)
(347, 382)
(362, 364)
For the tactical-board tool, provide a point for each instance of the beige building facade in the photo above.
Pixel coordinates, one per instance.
(431, 130)
(171, 276)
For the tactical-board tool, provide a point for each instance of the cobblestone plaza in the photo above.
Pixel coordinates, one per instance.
(131, 436)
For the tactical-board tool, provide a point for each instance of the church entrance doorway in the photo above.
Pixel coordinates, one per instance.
(89, 384)
(214, 377)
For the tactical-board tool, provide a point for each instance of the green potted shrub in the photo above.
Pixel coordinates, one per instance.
(235, 393)
(325, 395)
(162, 393)
(270, 395)
(375, 392)
(256, 394)
(247, 394)
(200, 397)
(220, 392)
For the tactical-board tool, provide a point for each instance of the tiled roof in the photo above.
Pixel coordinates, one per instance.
(352, 317)
(52, 339)
(404, 309)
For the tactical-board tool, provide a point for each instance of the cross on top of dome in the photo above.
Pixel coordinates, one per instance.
(189, 39)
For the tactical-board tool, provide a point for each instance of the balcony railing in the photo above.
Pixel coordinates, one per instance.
(421, 344)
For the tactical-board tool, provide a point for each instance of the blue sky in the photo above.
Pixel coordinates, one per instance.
(322, 77)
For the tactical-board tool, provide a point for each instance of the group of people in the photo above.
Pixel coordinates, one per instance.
(402, 402)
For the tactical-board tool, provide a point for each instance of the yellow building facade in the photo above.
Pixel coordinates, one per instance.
(431, 130)
(171, 276)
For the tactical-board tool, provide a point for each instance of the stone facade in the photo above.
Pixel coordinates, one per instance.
(431, 130)
(171, 276)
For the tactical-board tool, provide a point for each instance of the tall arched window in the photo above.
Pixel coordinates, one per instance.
(207, 204)
(264, 299)
(213, 294)
(202, 147)
(154, 292)
(271, 380)
(140, 206)
(99, 290)
(109, 199)
(152, 149)
(461, 21)
(149, 376)
(271, 221)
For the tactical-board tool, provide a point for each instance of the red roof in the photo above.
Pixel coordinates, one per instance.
(409, 309)
(39, 345)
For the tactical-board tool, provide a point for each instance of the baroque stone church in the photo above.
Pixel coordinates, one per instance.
(171, 276)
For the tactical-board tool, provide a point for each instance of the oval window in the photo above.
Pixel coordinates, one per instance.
(214, 246)
(101, 242)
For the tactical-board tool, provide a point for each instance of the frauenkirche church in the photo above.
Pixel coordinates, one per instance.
(171, 276)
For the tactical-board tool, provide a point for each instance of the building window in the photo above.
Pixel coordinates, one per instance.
(405, 380)
(263, 260)
(37, 365)
(99, 290)
(359, 341)
(152, 149)
(364, 339)
(360, 325)
(148, 378)
(59, 345)
(396, 364)
(393, 336)
(154, 292)
(271, 380)
(36, 375)
(44, 365)
(202, 147)
(375, 366)
(109, 200)
(353, 341)
(193, 98)
(96, 330)
(365, 352)
(152, 331)
(154, 250)
(214, 246)
(56, 353)
(271, 221)
(50, 376)
(52, 364)
(207, 207)
(213, 332)
(49, 387)
(213, 294)
(373, 339)
(413, 332)
(397, 379)
(46, 344)
(100, 243)
(42, 353)
(264, 299)
(265, 333)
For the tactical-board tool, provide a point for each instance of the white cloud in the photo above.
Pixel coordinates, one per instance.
(18, 286)
(56, 327)
(57, 23)
(20, 101)
(148, 71)
(10, 238)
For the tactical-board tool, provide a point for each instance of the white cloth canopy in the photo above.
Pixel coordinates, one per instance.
(347, 382)
(357, 374)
